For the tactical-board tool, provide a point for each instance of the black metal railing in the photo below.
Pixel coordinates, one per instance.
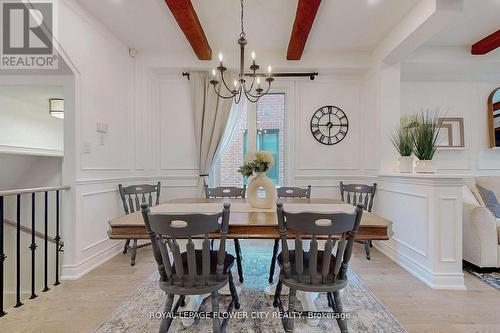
(34, 234)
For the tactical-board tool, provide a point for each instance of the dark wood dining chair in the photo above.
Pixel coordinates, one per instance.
(132, 197)
(359, 193)
(229, 192)
(286, 192)
(317, 270)
(194, 271)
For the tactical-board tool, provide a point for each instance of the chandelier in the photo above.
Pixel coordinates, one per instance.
(254, 91)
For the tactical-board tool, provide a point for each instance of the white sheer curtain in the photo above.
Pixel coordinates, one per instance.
(227, 137)
(211, 114)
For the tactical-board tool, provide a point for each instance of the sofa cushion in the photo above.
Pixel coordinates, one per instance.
(491, 183)
(490, 200)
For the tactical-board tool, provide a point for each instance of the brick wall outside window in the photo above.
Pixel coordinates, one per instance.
(270, 115)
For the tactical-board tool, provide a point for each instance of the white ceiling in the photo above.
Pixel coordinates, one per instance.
(479, 19)
(352, 25)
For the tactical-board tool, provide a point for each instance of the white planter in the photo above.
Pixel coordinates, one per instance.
(270, 192)
(406, 164)
(425, 166)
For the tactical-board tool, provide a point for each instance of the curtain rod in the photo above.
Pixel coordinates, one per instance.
(311, 75)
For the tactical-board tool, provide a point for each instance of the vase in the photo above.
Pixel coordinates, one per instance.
(425, 166)
(406, 164)
(261, 181)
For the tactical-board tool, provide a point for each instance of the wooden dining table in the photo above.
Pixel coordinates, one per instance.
(249, 225)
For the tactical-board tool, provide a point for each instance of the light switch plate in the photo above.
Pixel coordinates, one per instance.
(102, 127)
(86, 147)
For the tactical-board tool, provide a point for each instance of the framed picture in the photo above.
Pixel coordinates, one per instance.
(445, 137)
(451, 133)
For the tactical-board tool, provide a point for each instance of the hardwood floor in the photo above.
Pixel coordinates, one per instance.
(80, 306)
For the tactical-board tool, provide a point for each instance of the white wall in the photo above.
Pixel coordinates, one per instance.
(28, 128)
(354, 159)
(467, 99)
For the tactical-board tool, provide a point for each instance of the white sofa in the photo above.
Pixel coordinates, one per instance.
(481, 229)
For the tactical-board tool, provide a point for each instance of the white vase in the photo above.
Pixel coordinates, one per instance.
(270, 193)
(425, 166)
(406, 164)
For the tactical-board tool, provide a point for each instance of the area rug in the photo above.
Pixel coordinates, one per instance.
(492, 279)
(366, 312)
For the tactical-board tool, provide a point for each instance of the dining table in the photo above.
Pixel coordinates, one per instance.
(246, 222)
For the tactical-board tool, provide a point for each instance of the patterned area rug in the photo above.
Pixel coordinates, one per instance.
(492, 279)
(366, 312)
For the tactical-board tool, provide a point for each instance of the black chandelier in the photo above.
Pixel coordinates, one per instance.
(255, 91)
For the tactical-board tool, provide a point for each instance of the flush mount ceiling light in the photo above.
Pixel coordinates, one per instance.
(56, 107)
(254, 92)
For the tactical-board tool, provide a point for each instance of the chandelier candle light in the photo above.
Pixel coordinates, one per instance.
(254, 92)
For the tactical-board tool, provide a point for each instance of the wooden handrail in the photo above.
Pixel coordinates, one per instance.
(28, 230)
(33, 190)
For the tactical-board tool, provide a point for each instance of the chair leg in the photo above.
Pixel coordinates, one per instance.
(212, 241)
(367, 249)
(329, 297)
(273, 260)
(125, 248)
(277, 294)
(237, 248)
(288, 323)
(341, 321)
(215, 312)
(371, 243)
(232, 289)
(133, 252)
(167, 320)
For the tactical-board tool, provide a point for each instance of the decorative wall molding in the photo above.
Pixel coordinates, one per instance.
(453, 281)
(19, 150)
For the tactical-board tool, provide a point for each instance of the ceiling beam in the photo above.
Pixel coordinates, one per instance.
(304, 18)
(186, 17)
(486, 44)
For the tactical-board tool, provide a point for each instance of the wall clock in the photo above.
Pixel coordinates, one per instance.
(329, 125)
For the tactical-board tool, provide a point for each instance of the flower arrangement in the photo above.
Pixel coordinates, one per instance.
(260, 161)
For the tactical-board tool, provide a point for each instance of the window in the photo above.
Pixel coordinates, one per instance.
(269, 136)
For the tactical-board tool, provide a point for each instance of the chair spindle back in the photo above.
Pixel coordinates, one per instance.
(342, 225)
(187, 226)
(134, 195)
(358, 193)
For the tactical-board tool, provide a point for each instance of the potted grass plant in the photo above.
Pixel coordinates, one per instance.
(402, 140)
(424, 132)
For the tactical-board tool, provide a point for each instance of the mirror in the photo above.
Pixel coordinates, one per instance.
(494, 117)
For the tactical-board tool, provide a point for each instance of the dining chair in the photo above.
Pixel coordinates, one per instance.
(316, 270)
(286, 192)
(229, 192)
(194, 271)
(132, 196)
(359, 193)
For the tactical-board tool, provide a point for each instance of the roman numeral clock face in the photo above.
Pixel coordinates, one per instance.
(329, 125)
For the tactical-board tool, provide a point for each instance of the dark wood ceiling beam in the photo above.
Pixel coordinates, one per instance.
(186, 17)
(304, 19)
(486, 44)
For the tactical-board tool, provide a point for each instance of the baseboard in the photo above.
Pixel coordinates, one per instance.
(478, 269)
(74, 272)
(433, 280)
